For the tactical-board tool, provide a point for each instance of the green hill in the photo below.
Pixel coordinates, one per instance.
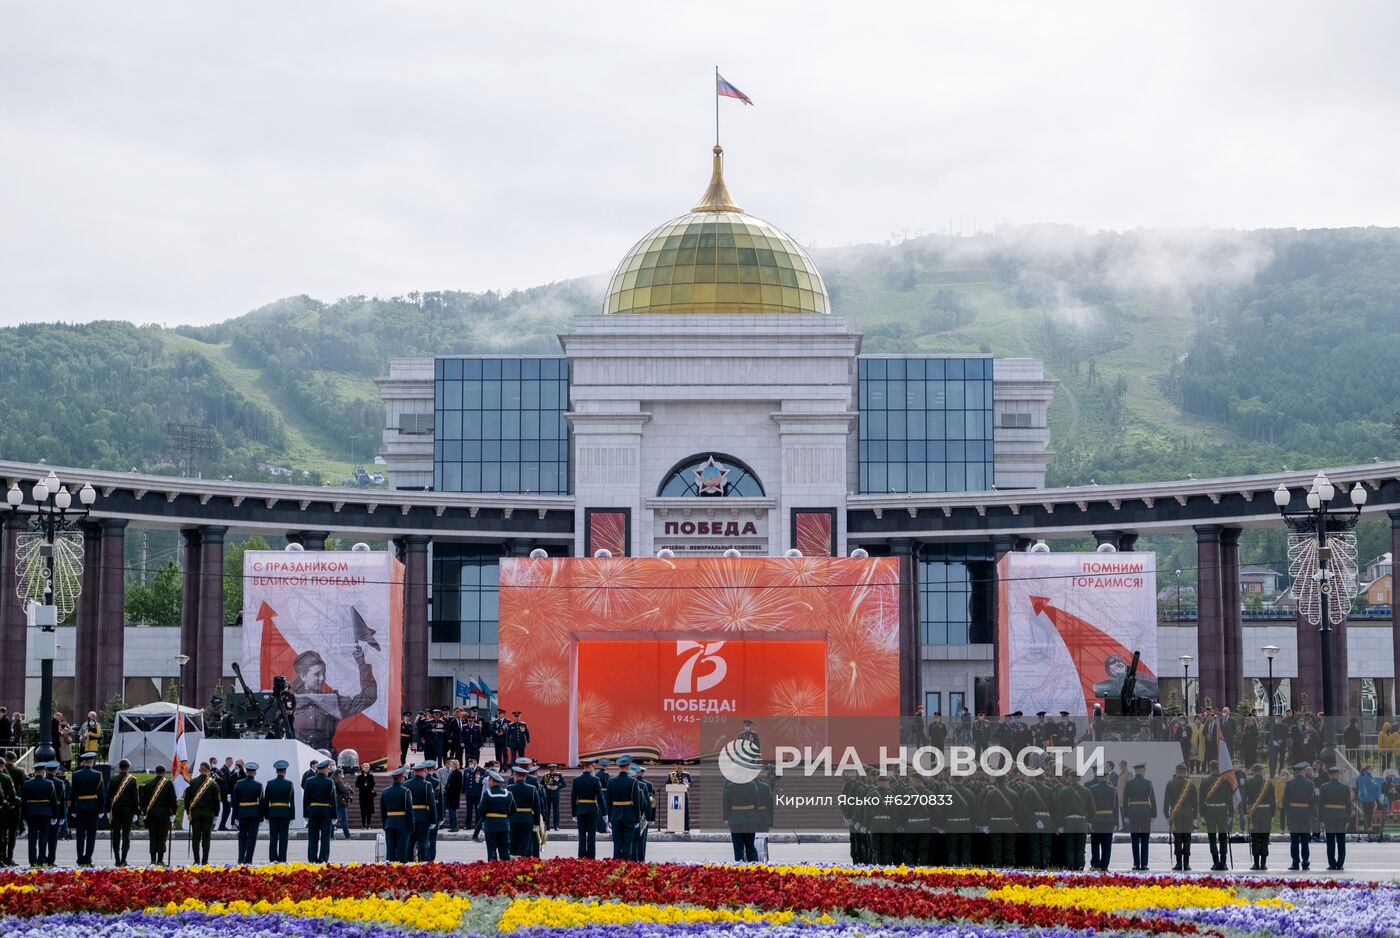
(1201, 352)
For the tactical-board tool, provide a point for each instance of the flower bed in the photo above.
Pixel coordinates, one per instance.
(585, 899)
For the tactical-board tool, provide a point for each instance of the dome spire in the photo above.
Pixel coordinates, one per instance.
(716, 197)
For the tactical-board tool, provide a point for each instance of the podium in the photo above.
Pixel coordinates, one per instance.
(676, 807)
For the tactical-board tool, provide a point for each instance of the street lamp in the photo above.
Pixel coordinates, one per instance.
(1186, 682)
(180, 662)
(1269, 652)
(54, 514)
(1176, 580)
(1320, 532)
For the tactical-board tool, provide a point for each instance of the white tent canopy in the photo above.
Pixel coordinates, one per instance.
(146, 735)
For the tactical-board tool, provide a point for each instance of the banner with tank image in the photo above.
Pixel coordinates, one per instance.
(1068, 625)
(330, 624)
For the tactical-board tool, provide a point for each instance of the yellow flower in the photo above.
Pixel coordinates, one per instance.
(1122, 898)
(567, 913)
(438, 912)
(18, 887)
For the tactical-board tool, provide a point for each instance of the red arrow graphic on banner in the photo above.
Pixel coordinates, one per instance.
(1089, 646)
(276, 656)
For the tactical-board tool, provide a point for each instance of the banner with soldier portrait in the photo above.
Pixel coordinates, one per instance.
(330, 623)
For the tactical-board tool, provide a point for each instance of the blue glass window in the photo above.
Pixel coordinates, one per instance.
(466, 594)
(957, 584)
(500, 426)
(925, 424)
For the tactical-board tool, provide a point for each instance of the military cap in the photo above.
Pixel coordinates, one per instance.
(520, 770)
(306, 659)
(86, 756)
(437, 709)
(281, 765)
(400, 772)
(604, 761)
(247, 766)
(495, 776)
(1064, 713)
(624, 760)
(515, 713)
(1017, 714)
(323, 763)
(552, 765)
(532, 769)
(1300, 766)
(524, 760)
(1140, 765)
(426, 764)
(1039, 713)
(1335, 770)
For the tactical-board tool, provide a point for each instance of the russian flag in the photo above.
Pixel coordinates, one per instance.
(725, 90)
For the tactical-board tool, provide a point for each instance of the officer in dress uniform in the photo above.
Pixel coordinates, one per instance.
(1336, 817)
(1260, 805)
(586, 804)
(248, 808)
(1217, 800)
(497, 808)
(158, 805)
(625, 810)
(553, 784)
(517, 736)
(41, 809)
(748, 734)
(742, 805)
(1076, 807)
(525, 817)
(958, 822)
(1180, 804)
(472, 737)
(406, 730)
(202, 808)
(433, 736)
(123, 807)
(321, 804)
(1139, 808)
(439, 795)
(1103, 821)
(498, 738)
(396, 809)
(424, 809)
(88, 803)
(1299, 799)
(648, 809)
(1065, 730)
(998, 811)
(279, 807)
(9, 812)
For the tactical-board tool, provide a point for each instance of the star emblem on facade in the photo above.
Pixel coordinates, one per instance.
(711, 477)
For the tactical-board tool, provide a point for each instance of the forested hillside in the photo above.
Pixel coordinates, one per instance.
(1179, 352)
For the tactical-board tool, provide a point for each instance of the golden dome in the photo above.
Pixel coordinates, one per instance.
(717, 260)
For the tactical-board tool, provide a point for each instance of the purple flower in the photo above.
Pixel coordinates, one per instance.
(1364, 912)
(758, 930)
(187, 925)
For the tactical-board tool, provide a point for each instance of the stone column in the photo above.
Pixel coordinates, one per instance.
(415, 624)
(1309, 681)
(1210, 617)
(310, 540)
(1232, 665)
(13, 637)
(1107, 537)
(209, 636)
(87, 627)
(1002, 544)
(1394, 610)
(111, 615)
(189, 611)
(911, 691)
(1128, 541)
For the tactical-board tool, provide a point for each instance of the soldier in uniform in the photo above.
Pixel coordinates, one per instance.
(9, 810)
(123, 807)
(278, 805)
(498, 738)
(202, 808)
(88, 803)
(957, 823)
(1139, 808)
(158, 806)
(248, 807)
(517, 736)
(497, 808)
(1103, 820)
(526, 814)
(319, 709)
(999, 817)
(321, 804)
(586, 804)
(1299, 799)
(432, 736)
(1217, 798)
(1039, 802)
(424, 809)
(749, 734)
(41, 809)
(472, 738)
(396, 808)
(851, 791)
(918, 824)
(625, 810)
(553, 784)
(648, 793)
(1336, 817)
(406, 729)
(1180, 804)
(1076, 807)
(1065, 731)
(742, 803)
(439, 796)
(1259, 804)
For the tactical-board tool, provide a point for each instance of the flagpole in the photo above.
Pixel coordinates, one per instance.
(716, 105)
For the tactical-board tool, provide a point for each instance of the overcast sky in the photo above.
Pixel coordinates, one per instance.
(188, 162)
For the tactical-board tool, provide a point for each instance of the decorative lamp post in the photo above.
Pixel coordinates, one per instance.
(1186, 682)
(180, 662)
(50, 566)
(1269, 652)
(1322, 562)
